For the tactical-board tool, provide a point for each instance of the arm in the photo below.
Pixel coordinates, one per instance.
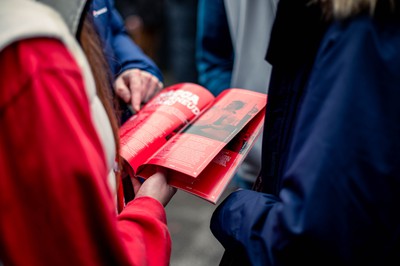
(340, 187)
(129, 54)
(56, 205)
(214, 52)
(137, 78)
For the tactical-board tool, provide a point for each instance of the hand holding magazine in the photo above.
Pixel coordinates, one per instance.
(197, 138)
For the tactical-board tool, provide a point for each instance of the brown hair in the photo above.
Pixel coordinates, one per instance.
(92, 46)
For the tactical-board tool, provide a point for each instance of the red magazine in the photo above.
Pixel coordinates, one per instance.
(200, 139)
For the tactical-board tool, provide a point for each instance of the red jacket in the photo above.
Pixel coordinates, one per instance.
(55, 204)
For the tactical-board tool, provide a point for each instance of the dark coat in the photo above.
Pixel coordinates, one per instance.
(120, 50)
(331, 158)
(122, 53)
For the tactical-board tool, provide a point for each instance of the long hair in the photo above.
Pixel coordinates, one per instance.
(93, 48)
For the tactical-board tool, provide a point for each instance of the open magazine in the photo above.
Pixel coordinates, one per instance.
(199, 139)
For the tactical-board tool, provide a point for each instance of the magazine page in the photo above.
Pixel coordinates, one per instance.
(191, 150)
(162, 117)
(214, 179)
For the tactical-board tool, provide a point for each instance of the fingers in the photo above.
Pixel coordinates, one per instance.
(135, 86)
(136, 185)
(122, 90)
(128, 86)
(134, 82)
(151, 84)
(156, 187)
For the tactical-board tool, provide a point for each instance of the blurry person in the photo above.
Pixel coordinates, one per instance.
(232, 37)
(330, 182)
(136, 77)
(180, 39)
(58, 145)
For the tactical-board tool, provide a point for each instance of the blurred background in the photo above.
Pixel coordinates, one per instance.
(166, 31)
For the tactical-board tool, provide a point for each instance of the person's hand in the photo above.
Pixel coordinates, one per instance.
(135, 87)
(156, 187)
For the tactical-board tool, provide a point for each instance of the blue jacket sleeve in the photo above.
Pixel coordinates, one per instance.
(123, 53)
(214, 53)
(339, 201)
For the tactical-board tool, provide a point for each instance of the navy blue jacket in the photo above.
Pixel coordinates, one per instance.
(335, 197)
(121, 52)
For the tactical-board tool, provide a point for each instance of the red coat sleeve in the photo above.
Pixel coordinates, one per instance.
(55, 204)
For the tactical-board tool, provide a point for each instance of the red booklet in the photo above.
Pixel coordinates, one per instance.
(198, 138)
